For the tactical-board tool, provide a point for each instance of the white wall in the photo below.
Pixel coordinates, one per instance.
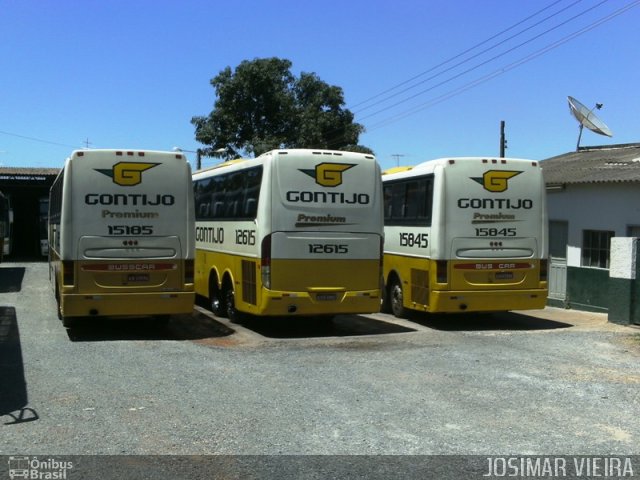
(599, 206)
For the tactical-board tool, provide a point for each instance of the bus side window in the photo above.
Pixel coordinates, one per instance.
(202, 199)
(233, 194)
(398, 201)
(203, 210)
(426, 205)
(251, 193)
(409, 201)
(412, 200)
(217, 197)
(387, 202)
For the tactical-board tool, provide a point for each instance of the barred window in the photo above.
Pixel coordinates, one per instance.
(596, 246)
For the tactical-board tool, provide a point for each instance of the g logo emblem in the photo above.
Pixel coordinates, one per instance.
(496, 180)
(127, 174)
(328, 174)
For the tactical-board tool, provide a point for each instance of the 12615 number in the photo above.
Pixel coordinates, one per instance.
(245, 237)
(328, 248)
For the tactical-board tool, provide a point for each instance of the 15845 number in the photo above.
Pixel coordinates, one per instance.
(495, 232)
(408, 239)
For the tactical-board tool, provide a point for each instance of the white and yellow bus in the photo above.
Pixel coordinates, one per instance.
(290, 233)
(465, 235)
(122, 235)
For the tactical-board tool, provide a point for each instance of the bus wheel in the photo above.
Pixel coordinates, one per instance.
(396, 299)
(232, 314)
(385, 304)
(69, 322)
(216, 302)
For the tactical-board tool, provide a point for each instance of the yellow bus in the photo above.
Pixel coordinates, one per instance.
(290, 233)
(122, 235)
(465, 235)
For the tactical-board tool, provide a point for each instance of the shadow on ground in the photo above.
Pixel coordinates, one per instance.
(315, 327)
(11, 279)
(508, 321)
(310, 327)
(13, 386)
(196, 326)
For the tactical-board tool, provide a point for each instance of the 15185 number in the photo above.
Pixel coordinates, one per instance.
(130, 230)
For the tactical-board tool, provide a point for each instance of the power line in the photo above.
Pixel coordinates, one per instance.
(465, 52)
(504, 69)
(483, 63)
(34, 139)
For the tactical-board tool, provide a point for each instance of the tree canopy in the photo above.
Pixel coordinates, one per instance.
(262, 106)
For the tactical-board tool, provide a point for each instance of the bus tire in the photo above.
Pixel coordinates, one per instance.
(217, 302)
(385, 304)
(396, 299)
(69, 322)
(233, 315)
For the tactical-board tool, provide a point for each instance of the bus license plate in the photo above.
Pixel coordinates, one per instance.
(504, 276)
(138, 277)
(326, 297)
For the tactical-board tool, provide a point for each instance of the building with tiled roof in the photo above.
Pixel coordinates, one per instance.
(611, 163)
(593, 195)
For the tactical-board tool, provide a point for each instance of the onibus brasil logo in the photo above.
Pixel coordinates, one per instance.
(328, 174)
(496, 180)
(127, 174)
(34, 468)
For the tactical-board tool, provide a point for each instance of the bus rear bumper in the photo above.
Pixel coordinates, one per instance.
(136, 304)
(483, 301)
(318, 303)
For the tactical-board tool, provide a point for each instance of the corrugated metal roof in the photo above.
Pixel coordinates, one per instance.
(603, 164)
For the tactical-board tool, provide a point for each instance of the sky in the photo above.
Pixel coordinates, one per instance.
(426, 78)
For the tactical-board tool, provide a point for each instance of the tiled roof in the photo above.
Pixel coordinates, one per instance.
(28, 171)
(611, 163)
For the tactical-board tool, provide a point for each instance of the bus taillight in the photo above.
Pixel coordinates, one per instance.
(265, 261)
(188, 271)
(441, 271)
(543, 270)
(68, 277)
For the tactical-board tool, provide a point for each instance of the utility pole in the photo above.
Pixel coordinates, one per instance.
(87, 143)
(397, 157)
(503, 140)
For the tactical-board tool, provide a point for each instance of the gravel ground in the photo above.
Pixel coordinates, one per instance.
(547, 382)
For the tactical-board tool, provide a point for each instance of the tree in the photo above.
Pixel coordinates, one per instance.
(262, 106)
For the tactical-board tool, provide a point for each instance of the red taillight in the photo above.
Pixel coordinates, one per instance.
(68, 277)
(441, 271)
(188, 271)
(543, 270)
(265, 261)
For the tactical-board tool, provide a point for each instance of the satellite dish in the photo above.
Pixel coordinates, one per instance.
(588, 119)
